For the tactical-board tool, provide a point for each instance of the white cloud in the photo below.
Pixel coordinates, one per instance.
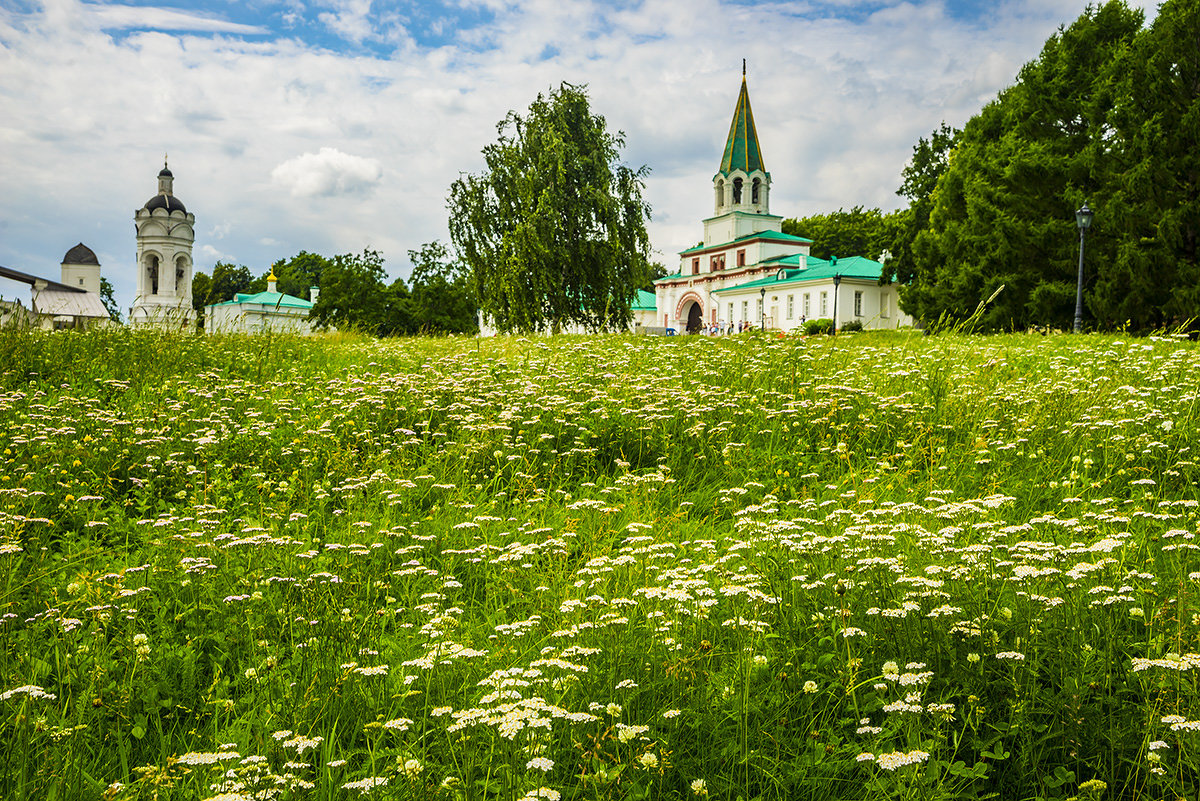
(305, 148)
(109, 17)
(327, 173)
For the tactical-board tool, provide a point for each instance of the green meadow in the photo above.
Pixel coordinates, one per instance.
(876, 566)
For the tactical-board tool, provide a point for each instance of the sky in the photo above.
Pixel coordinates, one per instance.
(337, 125)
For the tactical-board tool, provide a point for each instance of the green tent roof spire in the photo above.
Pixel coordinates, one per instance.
(741, 148)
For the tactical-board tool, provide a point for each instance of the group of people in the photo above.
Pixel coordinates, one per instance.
(719, 327)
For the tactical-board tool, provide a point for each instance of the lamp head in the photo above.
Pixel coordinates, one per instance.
(1083, 217)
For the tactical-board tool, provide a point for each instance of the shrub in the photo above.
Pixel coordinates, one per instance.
(821, 326)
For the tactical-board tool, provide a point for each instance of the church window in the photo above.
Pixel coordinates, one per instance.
(759, 310)
(858, 304)
(807, 306)
(737, 190)
(742, 257)
(81, 282)
(824, 303)
(883, 304)
(754, 187)
(730, 311)
(717, 263)
(745, 310)
(791, 301)
(696, 266)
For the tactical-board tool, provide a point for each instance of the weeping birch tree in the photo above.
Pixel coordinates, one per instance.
(554, 229)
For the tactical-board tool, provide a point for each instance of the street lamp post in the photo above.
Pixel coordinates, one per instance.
(762, 309)
(1083, 218)
(837, 281)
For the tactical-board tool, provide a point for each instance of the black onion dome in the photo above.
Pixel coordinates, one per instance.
(80, 254)
(168, 202)
(165, 173)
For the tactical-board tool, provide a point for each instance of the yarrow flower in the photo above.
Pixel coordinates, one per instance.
(540, 763)
(541, 793)
(32, 690)
(898, 759)
(365, 786)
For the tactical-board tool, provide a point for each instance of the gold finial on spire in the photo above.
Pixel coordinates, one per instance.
(165, 154)
(743, 68)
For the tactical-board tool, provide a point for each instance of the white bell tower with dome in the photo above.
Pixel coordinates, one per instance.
(165, 234)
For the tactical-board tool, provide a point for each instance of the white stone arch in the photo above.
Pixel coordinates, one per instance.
(719, 192)
(183, 274)
(151, 268)
(684, 300)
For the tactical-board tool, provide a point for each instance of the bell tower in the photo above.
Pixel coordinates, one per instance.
(165, 233)
(742, 185)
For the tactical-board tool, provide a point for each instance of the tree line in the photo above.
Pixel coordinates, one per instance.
(552, 232)
(353, 293)
(1108, 115)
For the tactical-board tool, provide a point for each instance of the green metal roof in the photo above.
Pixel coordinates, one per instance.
(272, 299)
(813, 269)
(741, 146)
(775, 236)
(644, 301)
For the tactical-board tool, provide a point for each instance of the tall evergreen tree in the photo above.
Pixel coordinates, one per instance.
(1003, 211)
(929, 160)
(1153, 277)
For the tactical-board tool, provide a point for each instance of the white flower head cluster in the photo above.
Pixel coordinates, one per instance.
(541, 794)
(898, 759)
(1169, 662)
(31, 690)
(206, 757)
(302, 743)
(366, 785)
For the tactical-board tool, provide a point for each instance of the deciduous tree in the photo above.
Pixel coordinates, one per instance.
(442, 300)
(554, 229)
(857, 232)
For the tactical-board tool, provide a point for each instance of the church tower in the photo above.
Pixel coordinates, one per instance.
(742, 185)
(165, 233)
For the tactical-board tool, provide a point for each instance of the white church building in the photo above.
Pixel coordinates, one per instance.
(747, 273)
(165, 233)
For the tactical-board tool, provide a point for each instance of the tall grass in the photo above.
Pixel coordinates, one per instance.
(878, 565)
